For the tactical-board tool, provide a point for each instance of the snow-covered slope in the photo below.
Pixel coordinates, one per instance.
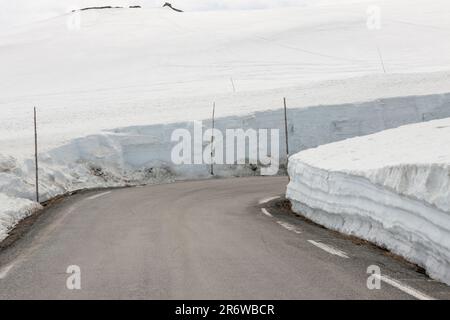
(392, 188)
(110, 68)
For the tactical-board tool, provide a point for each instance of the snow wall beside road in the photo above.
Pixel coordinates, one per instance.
(391, 188)
(142, 155)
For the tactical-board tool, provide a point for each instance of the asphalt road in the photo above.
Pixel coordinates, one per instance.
(196, 240)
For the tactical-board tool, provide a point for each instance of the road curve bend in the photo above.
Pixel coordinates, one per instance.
(191, 240)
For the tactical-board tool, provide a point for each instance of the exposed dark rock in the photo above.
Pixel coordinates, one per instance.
(170, 6)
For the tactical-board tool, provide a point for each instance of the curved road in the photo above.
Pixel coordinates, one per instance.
(195, 240)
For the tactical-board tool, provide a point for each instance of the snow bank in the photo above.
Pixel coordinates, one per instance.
(12, 210)
(142, 154)
(391, 188)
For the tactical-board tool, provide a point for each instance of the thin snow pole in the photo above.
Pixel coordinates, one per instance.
(212, 138)
(381, 59)
(36, 156)
(286, 129)
(232, 84)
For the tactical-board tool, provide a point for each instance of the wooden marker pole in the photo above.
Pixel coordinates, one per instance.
(36, 156)
(286, 129)
(212, 138)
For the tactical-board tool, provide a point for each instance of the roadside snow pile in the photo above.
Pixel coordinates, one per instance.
(12, 210)
(391, 188)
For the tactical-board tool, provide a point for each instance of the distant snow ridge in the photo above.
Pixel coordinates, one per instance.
(26, 11)
(391, 188)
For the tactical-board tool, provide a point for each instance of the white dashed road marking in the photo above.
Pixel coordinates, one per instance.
(406, 289)
(98, 195)
(267, 213)
(395, 283)
(263, 201)
(289, 227)
(329, 249)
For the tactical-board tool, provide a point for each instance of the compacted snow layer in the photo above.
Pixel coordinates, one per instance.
(391, 188)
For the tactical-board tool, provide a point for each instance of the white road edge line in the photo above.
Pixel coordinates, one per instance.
(329, 249)
(98, 195)
(263, 201)
(403, 287)
(4, 272)
(267, 213)
(289, 227)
